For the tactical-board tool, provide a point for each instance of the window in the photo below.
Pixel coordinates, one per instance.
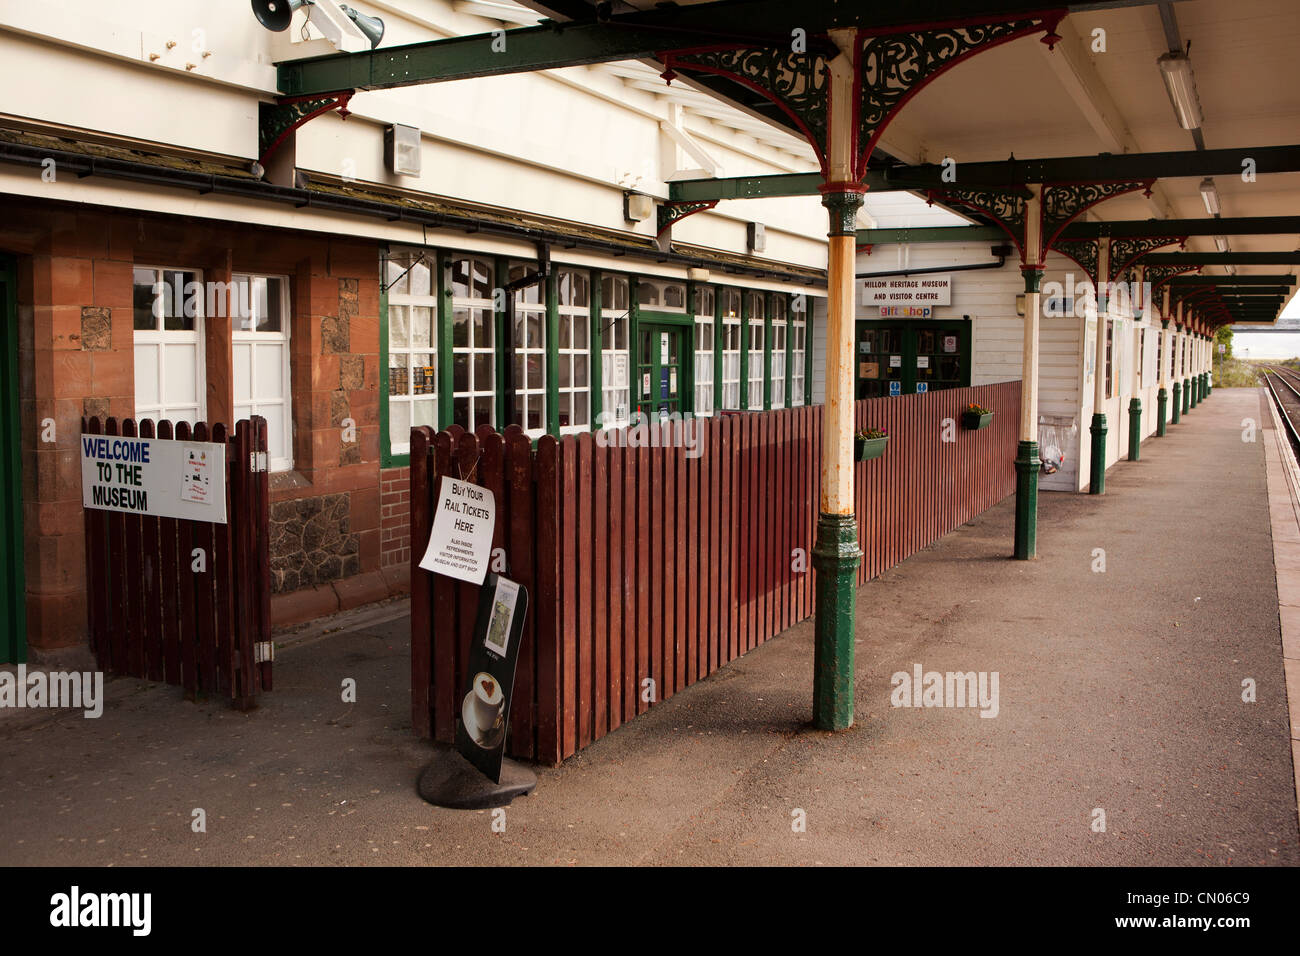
(613, 351)
(529, 341)
(1110, 349)
(730, 348)
(169, 365)
(757, 319)
(662, 296)
(473, 358)
(798, 355)
(259, 332)
(412, 346)
(778, 351)
(574, 352)
(704, 300)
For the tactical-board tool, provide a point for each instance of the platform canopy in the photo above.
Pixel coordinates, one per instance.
(1100, 90)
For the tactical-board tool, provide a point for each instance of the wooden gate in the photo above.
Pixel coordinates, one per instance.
(187, 602)
(651, 566)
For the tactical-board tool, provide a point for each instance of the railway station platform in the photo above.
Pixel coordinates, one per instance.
(1120, 655)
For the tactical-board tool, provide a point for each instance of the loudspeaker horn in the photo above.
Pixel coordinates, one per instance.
(372, 27)
(276, 14)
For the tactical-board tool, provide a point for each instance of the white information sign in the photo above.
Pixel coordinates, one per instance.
(904, 290)
(460, 545)
(151, 476)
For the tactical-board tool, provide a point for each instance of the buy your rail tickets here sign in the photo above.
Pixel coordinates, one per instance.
(150, 476)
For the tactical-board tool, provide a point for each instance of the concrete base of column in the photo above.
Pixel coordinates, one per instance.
(1097, 471)
(1162, 404)
(836, 558)
(1027, 464)
(1178, 402)
(1134, 429)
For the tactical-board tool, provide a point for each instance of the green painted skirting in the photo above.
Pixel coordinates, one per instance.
(1134, 429)
(836, 558)
(1027, 463)
(1097, 467)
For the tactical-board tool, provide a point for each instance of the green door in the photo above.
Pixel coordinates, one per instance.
(899, 358)
(663, 370)
(13, 626)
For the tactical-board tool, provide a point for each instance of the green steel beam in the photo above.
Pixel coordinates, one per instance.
(745, 187)
(1284, 279)
(1008, 174)
(1236, 226)
(931, 234)
(1221, 258)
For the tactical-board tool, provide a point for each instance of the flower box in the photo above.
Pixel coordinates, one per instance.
(972, 421)
(865, 449)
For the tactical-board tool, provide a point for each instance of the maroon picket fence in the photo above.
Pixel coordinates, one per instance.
(157, 614)
(653, 563)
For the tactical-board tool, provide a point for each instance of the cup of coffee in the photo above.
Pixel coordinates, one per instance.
(488, 700)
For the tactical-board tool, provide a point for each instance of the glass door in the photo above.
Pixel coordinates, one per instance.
(881, 359)
(662, 387)
(900, 359)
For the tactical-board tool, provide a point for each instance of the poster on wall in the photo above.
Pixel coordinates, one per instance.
(490, 671)
(869, 369)
(950, 343)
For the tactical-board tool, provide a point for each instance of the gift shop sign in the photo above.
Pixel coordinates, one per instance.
(460, 545)
(904, 291)
(151, 476)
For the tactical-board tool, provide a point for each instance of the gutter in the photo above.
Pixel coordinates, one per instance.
(256, 189)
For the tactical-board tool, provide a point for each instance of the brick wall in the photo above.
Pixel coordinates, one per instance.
(76, 357)
(395, 508)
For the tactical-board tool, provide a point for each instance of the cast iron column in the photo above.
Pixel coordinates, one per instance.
(1027, 463)
(1097, 465)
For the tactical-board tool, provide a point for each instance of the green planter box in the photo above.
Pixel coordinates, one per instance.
(865, 449)
(972, 422)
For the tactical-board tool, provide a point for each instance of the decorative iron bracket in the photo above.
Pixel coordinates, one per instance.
(1159, 275)
(1085, 253)
(893, 66)
(1127, 251)
(277, 120)
(673, 211)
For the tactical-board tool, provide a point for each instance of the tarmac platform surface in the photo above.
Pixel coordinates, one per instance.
(1119, 690)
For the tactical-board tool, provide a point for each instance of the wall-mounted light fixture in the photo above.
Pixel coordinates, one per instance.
(402, 150)
(1221, 243)
(637, 207)
(756, 236)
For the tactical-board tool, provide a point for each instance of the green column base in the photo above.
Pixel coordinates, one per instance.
(1134, 429)
(1205, 385)
(1187, 395)
(1026, 545)
(1162, 404)
(836, 558)
(1097, 471)
(1194, 390)
(1177, 401)
(1209, 383)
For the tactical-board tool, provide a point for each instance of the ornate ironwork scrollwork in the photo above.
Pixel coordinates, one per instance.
(1085, 253)
(894, 66)
(1008, 208)
(797, 82)
(1159, 275)
(277, 120)
(672, 211)
(1125, 251)
(1062, 202)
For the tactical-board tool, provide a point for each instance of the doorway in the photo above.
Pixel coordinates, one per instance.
(13, 626)
(663, 370)
(900, 358)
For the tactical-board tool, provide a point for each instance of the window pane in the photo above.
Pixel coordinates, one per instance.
(483, 410)
(460, 412)
(424, 379)
(460, 372)
(186, 301)
(580, 371)
(399, 381)
(398, 331)
(460, 328)
(420, 278)
(147, 310)
(399, 422)
(424, 413)
(580, 332)
(566, 330)
(421, 326)
(482, 319)
(483, 372)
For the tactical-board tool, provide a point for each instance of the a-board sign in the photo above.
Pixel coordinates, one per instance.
(154, 476)
(460, 545)
(490, 673)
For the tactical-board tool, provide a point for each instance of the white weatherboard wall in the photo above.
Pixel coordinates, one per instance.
(565, 144)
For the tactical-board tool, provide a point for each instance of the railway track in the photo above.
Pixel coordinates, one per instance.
(1284, 386)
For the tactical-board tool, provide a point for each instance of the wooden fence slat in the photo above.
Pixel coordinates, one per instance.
(522, 563)
(549, 739)
(584, 657)
(599, 627)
